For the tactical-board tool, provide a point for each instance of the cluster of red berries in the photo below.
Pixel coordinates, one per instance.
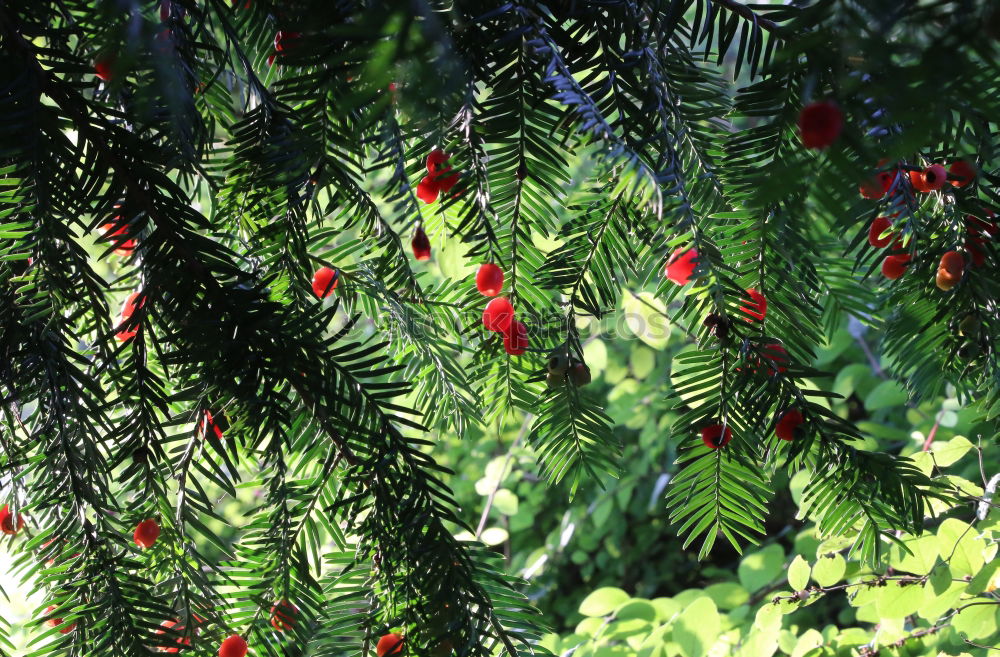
(437, 181)
(498, 316)
(880, 236)
(717, 436)
(145, 536)
(284, 614)
(931, 179)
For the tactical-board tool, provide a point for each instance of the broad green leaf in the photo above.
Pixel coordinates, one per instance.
(727, 595)
(628, 627)
(768, 616)
(807, 641)
(985, 579)
(666, 608)
(798, 573)
(936, 606)
(976, 622)
(760, 568)
(642, 360)
(506, 502)
(759, 643)
(646, 318)
(697, 628)
(886, 395)
(494, 535)
(896, 600)
(595, 353)
(603, 601)
(924, 553)
(856, 377)
(590, 626)
(829, 570)
(636, 608)
(958, 541)
(947, 453)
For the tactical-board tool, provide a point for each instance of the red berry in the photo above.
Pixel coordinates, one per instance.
(981, 228)
(498, 314)
(953, 263)
(233, 646)
(756, 310)
(918, 182)
(943, 281)
(489, 279)
(177, 629)
(284, 615)
(886, 178)
(878, 227)
(208, 421)
(428, 189)
(445, 183)
(7, 521)
(51, 562)
(102, 66)
(950, 270)
(820, 124)
(56, 622)
(123, 248)
(681, 266)
(580, 375)
(515, 338)
(786, 427)
(714, 437)
(436, 160)
(390, 644)
(962, 173)
(976, 252)
(935, 177)
(876, 187)
(285, 40)
(421, 244)
(895, 266)
(128, 308)
(146, 533)
(325, 282)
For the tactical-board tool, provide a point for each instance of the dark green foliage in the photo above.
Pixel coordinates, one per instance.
(592, 139)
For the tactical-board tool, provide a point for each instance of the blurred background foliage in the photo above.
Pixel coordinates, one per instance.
(598, 555)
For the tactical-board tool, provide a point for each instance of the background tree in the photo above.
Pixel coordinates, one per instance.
(198, 164)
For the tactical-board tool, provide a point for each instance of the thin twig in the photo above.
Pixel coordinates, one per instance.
(510, 455)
